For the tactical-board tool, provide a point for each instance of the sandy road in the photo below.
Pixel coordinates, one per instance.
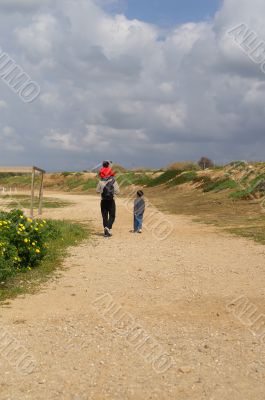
(177, 290)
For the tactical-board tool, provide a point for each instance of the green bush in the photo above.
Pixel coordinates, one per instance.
(220, 184)
(255, 185)
(133, 178)
(183, 178)
(23, 242)
(165, 177)
(257, 182)
(204, 180)
(74, 183)
(142, 179)
(239, 195)
(66, 173)
(238, 163)
(125, 179)
(90, 184)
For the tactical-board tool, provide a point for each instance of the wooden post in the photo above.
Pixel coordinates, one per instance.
(32, 193)
(33, 171)
(41, 194)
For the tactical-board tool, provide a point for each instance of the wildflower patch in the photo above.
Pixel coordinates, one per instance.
(23, 242)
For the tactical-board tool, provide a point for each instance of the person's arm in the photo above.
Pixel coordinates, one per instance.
(99, 188)
(135, 207)
(143, 206)
(116, 188)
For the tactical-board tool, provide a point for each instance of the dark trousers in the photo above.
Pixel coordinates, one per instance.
(108, 211)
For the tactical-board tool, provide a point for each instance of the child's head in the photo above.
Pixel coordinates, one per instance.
(140, 193)
(106, 172)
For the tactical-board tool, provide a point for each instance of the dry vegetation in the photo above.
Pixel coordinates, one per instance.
(230, 197)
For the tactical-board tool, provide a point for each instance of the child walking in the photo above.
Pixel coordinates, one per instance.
(139, 209)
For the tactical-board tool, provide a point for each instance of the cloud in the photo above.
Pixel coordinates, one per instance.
(9, 140)
(22, 5)
(3, 104)
(121, 89)
(37, 39)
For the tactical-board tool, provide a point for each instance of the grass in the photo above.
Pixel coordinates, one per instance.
(18, 180)
(250, 232)
(240, 217)
(219, 185)
(74, 183)
(89, 184)
(251, 188)
(70, 234)
(23, 201)
(183, 178)
(133, 178)
(165, 177)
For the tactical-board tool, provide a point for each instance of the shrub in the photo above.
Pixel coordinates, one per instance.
(203, 180)
(74, 183)
(165, 177)
(261, 186)
(23, 242)
(241, 195)
(66, 173)
(125, 179)
(183, 166)
(90, 184)
(255, 185)
(219, 184)
(132, 178)
(238, 163)
(183, 178)
(142, 179)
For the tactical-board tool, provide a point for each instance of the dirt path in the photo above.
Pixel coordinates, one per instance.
(176, 290)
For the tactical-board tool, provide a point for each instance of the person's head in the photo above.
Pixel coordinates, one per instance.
(105, 164)
(140, 193)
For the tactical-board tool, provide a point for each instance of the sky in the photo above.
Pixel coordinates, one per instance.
(166, 13)
(141, 83)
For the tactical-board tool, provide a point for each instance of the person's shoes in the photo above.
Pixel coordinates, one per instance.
(107, 232)
(110, 232)
(139, 231)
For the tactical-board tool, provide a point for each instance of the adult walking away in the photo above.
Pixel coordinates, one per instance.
(108, 188)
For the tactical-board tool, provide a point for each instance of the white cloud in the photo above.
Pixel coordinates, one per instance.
(9, 140)
(37, 38)
(111, 86)
(172, 115)
(3, 104)
(22, 5)
(60, 140)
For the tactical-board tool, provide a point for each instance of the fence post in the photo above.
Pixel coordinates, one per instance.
(41, 194)
(32, 193)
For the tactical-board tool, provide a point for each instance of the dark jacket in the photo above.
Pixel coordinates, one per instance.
(139, 206)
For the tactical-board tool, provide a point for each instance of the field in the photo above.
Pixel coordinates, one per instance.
(24, 201)
(241, 217)
(179, 295)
